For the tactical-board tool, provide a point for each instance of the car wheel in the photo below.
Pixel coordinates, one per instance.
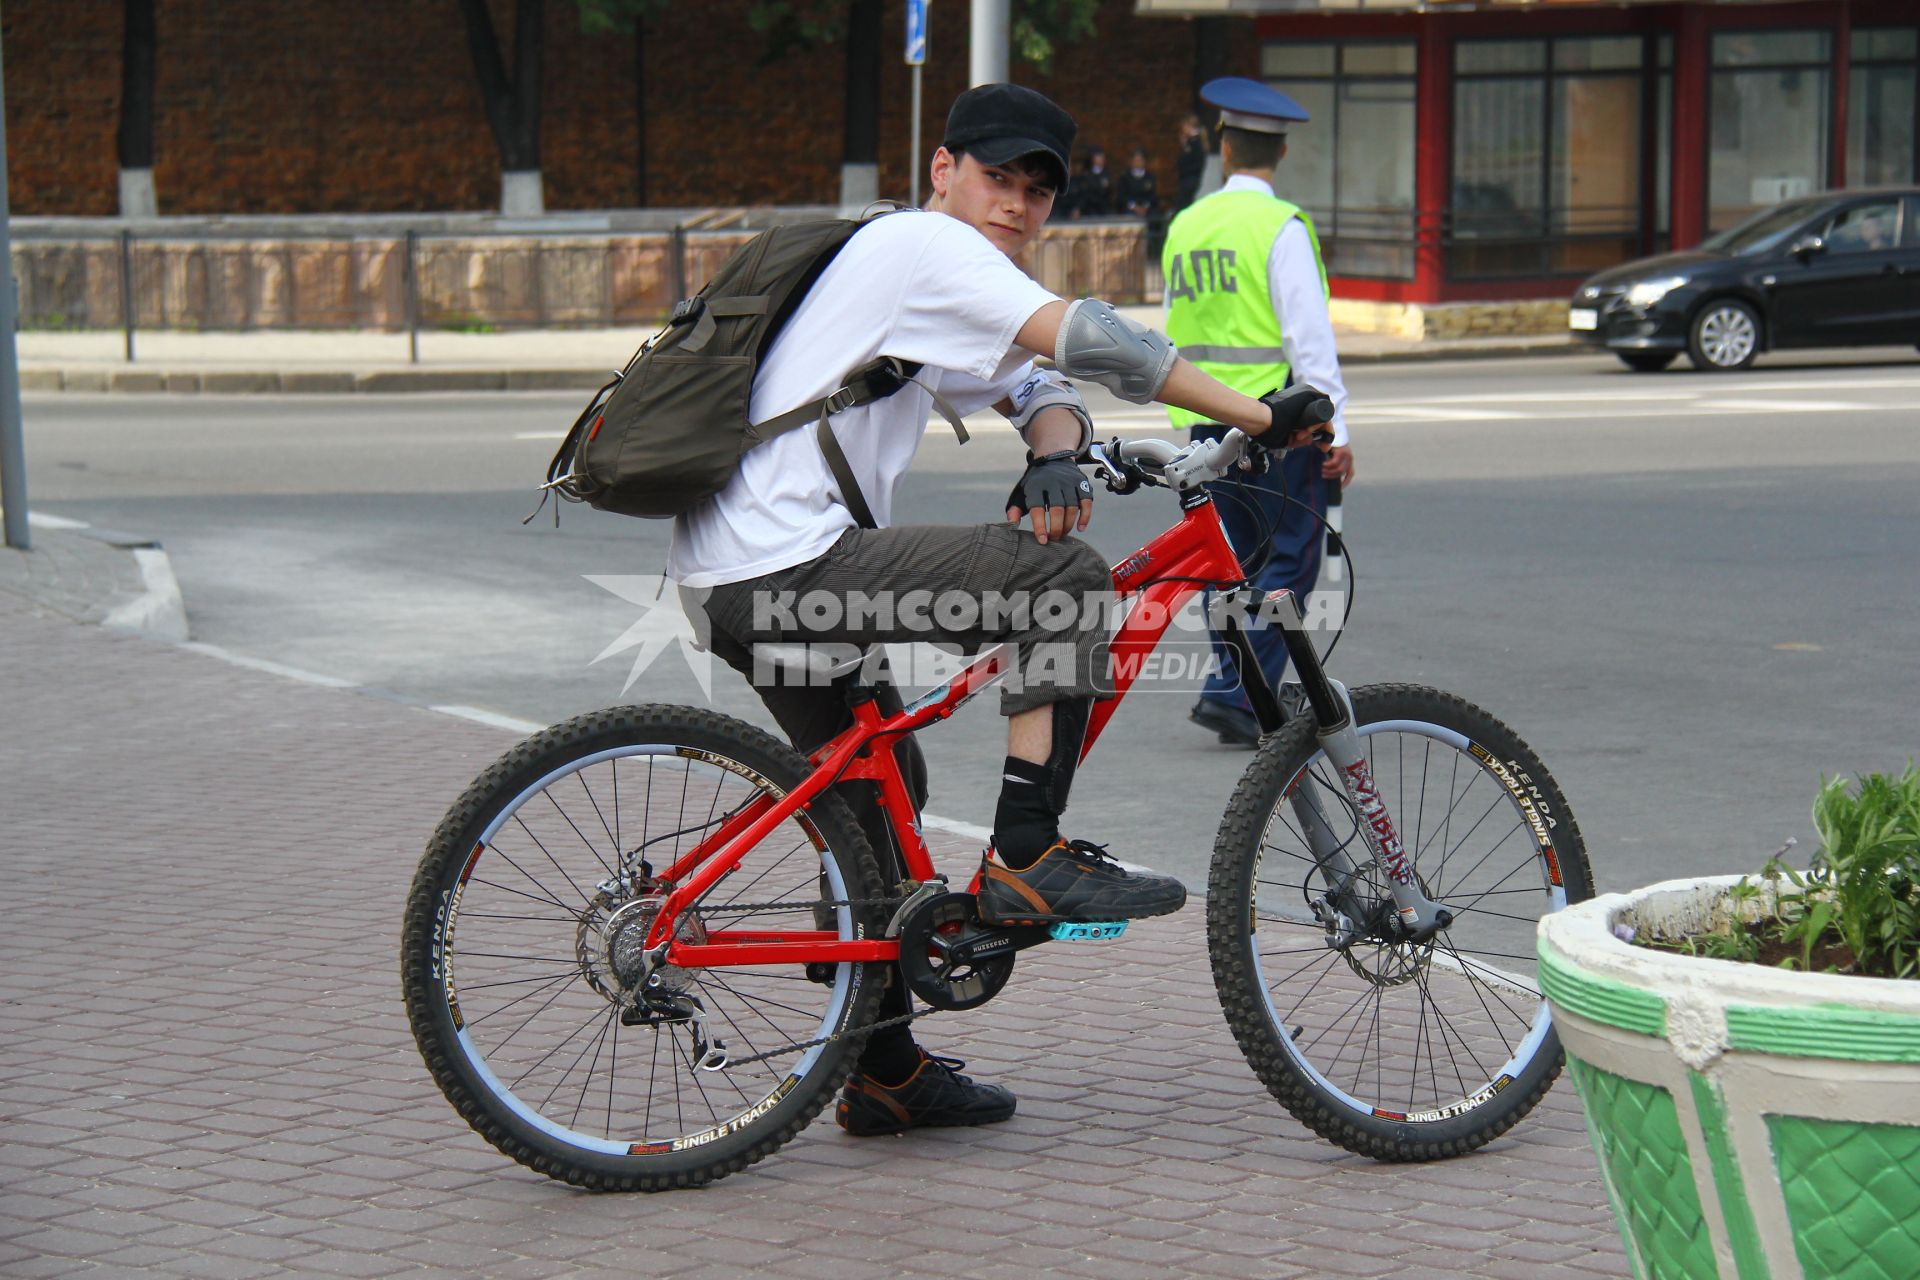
(1725, 336)
(1647, 361)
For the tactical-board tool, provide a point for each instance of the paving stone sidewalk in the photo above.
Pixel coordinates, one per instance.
(205, 1069)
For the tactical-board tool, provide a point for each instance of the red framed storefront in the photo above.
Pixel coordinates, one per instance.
(1700, 65)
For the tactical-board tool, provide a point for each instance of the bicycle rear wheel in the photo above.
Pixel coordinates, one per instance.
(1395, 1050)
(521, 952)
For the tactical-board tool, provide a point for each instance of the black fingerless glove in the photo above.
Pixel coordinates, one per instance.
(1292, 409)
(1053, 480)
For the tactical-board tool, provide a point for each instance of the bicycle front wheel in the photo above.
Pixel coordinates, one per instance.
(525, 974)
(1395, 1050)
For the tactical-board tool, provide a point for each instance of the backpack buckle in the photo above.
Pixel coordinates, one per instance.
(684, 310)
(888, 375)
(844, 398)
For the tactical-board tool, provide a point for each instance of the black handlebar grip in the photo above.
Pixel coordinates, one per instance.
(1296, 408)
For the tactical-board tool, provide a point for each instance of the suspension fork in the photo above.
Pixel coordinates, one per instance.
(1417, 916)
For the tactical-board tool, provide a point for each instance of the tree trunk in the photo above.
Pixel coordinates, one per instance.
(135, 141)
(512, 105)
(640, 112)
(860, 138)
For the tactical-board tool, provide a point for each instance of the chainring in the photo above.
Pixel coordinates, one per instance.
(928, 932)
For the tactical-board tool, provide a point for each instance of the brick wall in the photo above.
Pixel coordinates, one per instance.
(349, 106)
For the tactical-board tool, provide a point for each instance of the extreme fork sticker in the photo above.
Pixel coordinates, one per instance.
(1387, 849)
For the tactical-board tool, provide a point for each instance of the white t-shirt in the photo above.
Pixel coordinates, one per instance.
(921, 286)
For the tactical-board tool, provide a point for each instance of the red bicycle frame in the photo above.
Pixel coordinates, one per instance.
(1163, 575)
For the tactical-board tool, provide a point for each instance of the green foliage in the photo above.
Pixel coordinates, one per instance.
(1039, 30)
(1041, 27)
(604, 17)
(1860, 891)
(1864, 885)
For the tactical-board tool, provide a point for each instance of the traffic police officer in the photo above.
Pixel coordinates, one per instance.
(1246, 293)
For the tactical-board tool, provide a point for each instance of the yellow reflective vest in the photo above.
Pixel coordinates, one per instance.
(1219, 308)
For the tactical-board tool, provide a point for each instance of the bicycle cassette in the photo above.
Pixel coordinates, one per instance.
(951, 960)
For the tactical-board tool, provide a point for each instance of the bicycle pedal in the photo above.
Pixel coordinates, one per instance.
(1073, 931)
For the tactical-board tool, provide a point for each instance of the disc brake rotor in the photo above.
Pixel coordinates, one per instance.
(611, 945)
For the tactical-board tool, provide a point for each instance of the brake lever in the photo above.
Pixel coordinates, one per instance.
(1119, 475)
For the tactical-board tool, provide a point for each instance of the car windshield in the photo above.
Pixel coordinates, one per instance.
(1763, 230)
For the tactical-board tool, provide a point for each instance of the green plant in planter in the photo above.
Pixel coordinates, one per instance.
(1856, 908)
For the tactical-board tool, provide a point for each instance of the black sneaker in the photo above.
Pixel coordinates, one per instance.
(1073, 881)
(1235, 727)
(934, 1096)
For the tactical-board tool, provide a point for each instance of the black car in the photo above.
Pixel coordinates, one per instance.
(1841, 269)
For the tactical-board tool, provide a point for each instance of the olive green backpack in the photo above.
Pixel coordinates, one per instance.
(669, 430)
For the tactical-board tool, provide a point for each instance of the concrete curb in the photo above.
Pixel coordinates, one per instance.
(141, 381)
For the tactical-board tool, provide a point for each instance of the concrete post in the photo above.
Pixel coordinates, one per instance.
(13, 453)
(990, 40)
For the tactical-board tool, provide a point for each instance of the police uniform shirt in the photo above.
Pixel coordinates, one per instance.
(1300, 305)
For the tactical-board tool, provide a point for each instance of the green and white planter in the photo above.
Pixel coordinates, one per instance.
(1750, 1121)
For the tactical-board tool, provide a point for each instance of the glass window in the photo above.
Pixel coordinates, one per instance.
(1865, 228)
(1665, 46)
(1768, 140)
(1880, 125)
(1663, 162)
(1278, 61)
(1594, 172)
(1306, 175)
(1352, 169)
(1547, 166)
(1483, 56)
(1763, 230)
(1610, 54)
(1892, 42)
(1770, 48)
(1910, 236)
(1377, 59)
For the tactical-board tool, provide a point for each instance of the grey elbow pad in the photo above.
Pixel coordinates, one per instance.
(1099, 344)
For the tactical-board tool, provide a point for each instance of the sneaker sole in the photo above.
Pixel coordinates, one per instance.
(1016, 922)
(843, 1116)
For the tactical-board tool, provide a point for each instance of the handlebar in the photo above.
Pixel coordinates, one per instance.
(1126, 464)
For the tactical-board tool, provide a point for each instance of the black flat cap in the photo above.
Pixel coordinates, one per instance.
(997, 123)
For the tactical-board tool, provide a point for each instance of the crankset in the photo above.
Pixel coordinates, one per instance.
(953, 961)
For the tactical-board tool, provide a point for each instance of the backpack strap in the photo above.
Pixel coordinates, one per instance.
(875, 380)
(703, 314)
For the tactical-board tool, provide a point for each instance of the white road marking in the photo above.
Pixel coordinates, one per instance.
(41, 520)
(479, 715)
(270, 667)
(539, 435)
(159, 610)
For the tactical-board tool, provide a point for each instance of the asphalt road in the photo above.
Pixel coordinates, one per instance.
(1694, 594)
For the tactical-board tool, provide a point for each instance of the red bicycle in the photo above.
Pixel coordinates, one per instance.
(643, 948)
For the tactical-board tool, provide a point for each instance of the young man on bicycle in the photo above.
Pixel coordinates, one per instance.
(939, 288)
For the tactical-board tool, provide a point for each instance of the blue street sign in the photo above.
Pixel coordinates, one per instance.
(916, 32)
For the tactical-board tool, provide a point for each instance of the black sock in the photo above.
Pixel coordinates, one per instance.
(1024, 823)
(891, 1055)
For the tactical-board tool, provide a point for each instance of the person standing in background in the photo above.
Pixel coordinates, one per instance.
(1191, 165)
(1136, 193)
(1246, 298)
(1090, 193)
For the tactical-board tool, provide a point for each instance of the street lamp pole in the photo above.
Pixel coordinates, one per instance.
(987, 59)
(13, 454)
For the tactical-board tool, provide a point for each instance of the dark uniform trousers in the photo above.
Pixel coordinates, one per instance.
(1248, 510)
